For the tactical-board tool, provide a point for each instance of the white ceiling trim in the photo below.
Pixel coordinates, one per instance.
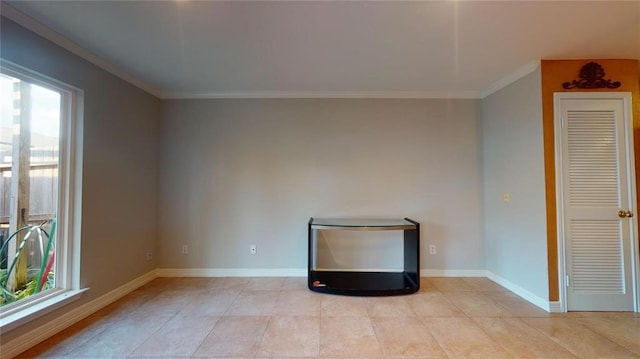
(511, 78)
(324, 94)
(33, 25)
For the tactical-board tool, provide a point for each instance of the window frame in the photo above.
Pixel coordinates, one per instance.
(69, 208)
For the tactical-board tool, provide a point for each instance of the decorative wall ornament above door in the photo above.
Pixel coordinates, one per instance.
(591, 77)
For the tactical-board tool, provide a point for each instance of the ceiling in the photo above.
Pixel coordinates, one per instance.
(430, 49)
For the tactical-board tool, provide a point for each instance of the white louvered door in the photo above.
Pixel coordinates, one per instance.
(596, 193)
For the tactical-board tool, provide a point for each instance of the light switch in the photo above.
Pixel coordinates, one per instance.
(506, 197)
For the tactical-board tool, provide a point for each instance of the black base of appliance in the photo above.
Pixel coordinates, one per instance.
(363, 283)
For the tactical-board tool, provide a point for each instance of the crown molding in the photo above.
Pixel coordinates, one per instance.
(511, 78)
(33, 25)
(323, 95)
(38, 28)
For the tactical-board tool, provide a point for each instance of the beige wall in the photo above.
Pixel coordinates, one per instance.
(120, 175)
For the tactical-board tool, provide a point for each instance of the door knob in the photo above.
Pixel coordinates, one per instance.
(623, 213)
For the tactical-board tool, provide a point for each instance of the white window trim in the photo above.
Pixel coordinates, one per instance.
(37, 306)
(69, 203)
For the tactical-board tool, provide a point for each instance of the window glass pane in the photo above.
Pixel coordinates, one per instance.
(6, 134)
(45, 141)
(30, 140)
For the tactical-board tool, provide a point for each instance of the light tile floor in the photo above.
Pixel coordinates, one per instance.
(281, 318)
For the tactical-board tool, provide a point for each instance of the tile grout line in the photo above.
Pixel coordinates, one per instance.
(579, 319)
(375, 332)
(152, 334)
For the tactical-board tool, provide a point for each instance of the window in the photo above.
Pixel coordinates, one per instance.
(40, 167)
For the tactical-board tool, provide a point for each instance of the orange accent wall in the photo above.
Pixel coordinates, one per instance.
(554, 74)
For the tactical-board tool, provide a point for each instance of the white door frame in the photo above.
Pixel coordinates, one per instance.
(628, 128)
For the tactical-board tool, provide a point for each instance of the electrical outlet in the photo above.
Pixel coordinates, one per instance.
(253, 249)
(432, 249)
(185, 249)
(149, 254)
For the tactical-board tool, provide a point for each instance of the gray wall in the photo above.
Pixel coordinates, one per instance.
(515, 232)
(241, 172)
(120, 175)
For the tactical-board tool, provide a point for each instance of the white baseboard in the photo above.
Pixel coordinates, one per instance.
(231, 272)
(523, 293)
(453, 273)
(24, 342)
(555, 307)
(293, 272)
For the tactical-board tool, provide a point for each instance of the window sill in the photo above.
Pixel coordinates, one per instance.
(12, 317)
